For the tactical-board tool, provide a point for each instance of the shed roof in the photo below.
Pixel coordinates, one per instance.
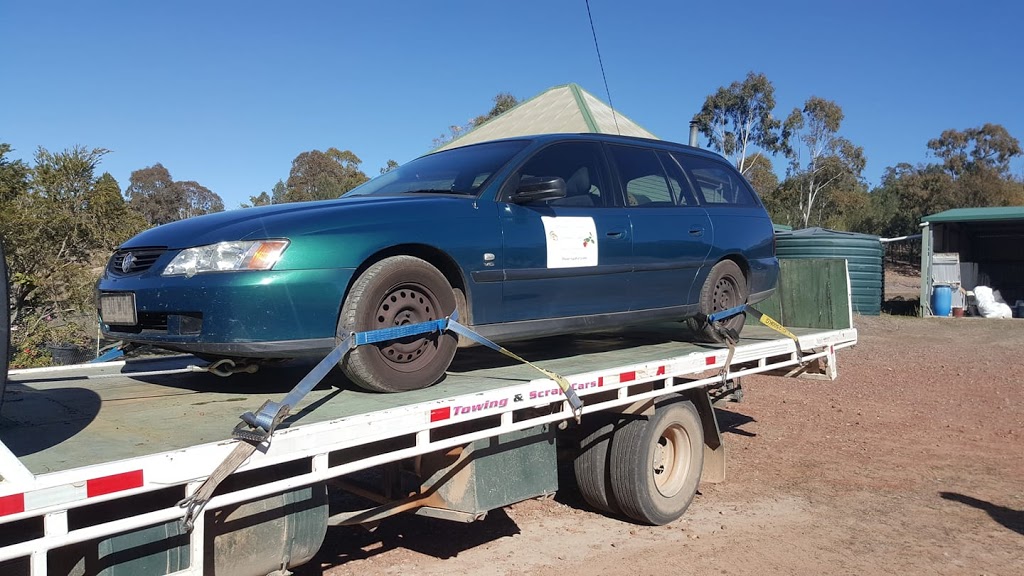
(565, 108)
(990, 214)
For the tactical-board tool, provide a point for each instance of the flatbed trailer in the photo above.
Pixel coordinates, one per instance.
(105, 468)
(95, 458)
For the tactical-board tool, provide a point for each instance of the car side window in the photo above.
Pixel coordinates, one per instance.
(642, 177)
(716, 184)
(580, 165)
(677, 180)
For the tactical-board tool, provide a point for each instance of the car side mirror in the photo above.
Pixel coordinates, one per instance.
(537, 188)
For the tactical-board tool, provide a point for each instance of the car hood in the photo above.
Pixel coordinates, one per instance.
(290, 220)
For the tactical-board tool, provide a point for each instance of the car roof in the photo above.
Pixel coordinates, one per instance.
(602, 137)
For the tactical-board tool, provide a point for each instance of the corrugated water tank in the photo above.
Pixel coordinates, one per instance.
(863, 253)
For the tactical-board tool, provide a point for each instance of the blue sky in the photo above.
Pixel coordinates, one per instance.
(227, 93)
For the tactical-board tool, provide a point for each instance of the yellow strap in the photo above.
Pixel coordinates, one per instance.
(567, 388)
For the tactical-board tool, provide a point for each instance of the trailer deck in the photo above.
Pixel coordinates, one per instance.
(57, 419)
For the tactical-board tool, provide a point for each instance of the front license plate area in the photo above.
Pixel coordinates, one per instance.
(118, 309)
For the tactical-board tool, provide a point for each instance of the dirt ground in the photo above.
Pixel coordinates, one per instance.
(912, 462)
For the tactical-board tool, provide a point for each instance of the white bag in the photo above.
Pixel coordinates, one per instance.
(988, 307)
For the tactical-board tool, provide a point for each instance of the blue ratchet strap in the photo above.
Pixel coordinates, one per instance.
(570, 393)
(107, 356)
(763, 319)
(271, 414)
(115, 352)
(256, 428)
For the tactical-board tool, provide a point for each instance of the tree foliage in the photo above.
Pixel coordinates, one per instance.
(151, 192)
(761, 174)
(263, 199)
(318, 175)
(974, 150)
(739, 116)
(154, 194)
(59, 222)
(391, 165)
(821, 160)
(197, 199)
(503, 102)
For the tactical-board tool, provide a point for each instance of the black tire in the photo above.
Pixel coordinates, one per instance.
(656, 463)
(396, 291)
(725, 288)
(591, 464)
(5, 324)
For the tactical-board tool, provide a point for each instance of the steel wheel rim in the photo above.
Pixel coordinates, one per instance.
(725, 295)
(671, 460)
(402, 305)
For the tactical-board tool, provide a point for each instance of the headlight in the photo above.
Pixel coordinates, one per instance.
(226, 257)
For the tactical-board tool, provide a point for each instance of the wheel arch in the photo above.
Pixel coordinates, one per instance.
(432, 255)
(742, 262)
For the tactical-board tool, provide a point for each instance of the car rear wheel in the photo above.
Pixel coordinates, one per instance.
(397, 291)
(725, 288)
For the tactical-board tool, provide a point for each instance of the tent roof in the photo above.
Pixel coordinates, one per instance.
(978, 214)
(565, 108)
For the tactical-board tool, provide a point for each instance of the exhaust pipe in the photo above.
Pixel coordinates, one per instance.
(694, 134)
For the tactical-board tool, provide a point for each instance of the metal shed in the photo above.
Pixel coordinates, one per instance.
(973, 247)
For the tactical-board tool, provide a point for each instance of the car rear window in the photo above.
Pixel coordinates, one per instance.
(716, 184)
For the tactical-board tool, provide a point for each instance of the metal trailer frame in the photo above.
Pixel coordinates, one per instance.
(51, 496)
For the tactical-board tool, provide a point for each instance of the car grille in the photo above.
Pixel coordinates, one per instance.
(161, 323)
(142, 259)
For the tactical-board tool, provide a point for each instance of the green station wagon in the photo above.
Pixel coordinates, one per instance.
(525, 237)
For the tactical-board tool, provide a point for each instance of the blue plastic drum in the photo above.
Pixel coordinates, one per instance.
(942, 300)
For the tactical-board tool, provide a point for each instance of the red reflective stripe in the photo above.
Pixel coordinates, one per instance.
(113, 483)
(600, 381)
(440, 413)
(627, 376)
(12, 504)
(709, 361)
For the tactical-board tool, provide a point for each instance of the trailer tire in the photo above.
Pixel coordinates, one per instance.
(392, 292)
(591, 464)
(656, 463)
(5, 324)
(725, 287)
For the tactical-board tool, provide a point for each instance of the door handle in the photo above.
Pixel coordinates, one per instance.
(697, 231)
(616, 234)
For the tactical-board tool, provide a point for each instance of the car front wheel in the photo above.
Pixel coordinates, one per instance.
(397, 291)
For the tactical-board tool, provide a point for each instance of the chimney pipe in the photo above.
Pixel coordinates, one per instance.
(693, 134)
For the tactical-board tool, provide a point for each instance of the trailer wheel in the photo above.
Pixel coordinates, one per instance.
(591, 465)
(5, 324)
(725, 288)
(656, 463)
(393, 292)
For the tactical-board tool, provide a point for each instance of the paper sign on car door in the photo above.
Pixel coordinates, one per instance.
(571, 241)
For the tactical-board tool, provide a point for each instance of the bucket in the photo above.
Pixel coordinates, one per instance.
(958, 312)
(942, 299)
(67, 354)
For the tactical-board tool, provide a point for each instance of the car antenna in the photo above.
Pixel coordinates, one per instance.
(603, 76)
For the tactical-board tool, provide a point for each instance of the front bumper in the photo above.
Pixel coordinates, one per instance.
(270, 314)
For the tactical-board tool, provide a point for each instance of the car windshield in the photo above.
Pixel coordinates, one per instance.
(458, 171)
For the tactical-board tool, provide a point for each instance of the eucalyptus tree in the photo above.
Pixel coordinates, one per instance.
(739, 117)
